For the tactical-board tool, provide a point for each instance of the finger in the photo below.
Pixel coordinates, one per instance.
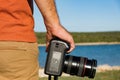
(72, 46)
(71, 49)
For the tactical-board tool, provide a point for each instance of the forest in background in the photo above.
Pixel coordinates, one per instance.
(86, 37)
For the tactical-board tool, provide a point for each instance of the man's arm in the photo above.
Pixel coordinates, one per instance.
(52, 22)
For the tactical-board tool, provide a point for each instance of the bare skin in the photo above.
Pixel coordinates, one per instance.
(52, 23)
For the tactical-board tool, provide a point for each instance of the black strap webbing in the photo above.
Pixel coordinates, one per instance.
(55, 77)
(30, 2)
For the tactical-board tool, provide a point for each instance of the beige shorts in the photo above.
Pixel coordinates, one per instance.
(18, 61)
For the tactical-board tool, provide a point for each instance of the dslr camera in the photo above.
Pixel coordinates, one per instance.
(58, 62)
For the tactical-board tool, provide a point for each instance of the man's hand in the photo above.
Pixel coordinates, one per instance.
(61, 33)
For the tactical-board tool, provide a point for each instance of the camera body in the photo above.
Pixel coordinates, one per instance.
(55, 57)
(57, 62)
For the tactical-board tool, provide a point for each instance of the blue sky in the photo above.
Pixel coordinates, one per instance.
(84, 15)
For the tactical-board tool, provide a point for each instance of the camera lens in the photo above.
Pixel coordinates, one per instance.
(80, 66)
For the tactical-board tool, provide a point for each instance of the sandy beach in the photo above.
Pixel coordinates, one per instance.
(106, 67)
(100, 68)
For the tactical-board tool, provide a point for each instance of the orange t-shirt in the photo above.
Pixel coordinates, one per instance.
(16, 21)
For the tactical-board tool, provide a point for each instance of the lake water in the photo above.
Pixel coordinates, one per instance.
(104, 54)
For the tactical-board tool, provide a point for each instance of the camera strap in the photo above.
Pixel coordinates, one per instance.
(30, 2)
(55, 77)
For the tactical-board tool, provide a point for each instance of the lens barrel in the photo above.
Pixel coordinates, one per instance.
(80, 66)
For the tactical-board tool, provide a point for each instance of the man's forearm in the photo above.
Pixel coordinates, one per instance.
(48, 10)
(51, 20)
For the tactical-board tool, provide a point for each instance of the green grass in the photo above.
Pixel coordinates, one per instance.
(97, 37)
(109, 75)
(86, 37)
(41, 37)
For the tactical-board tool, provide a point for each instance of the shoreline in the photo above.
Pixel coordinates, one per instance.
(90, 43)
(100, 68)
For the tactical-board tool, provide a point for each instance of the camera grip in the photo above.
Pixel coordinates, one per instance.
(55, 57)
